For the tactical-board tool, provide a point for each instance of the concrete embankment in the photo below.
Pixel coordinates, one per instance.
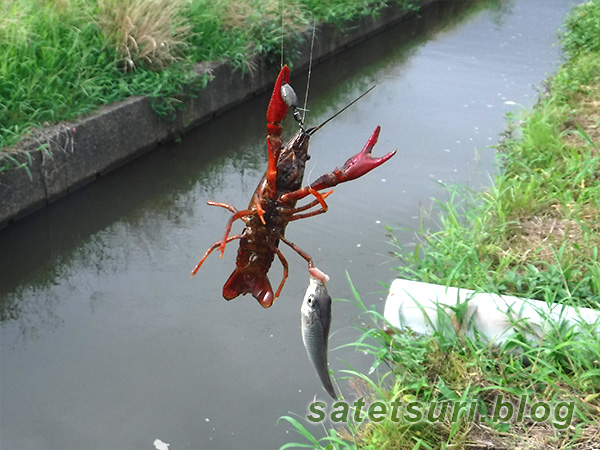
(77, 153)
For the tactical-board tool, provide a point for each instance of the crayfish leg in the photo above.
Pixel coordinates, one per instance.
(320, 197)
(307, 215)
(211, 249)
(320, 200)
(237, 215)
(284, 263)
(301, 252)
(233, 209)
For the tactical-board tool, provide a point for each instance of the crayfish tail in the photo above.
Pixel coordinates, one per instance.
(243, 282)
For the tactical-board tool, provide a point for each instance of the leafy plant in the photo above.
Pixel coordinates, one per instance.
(145, 32)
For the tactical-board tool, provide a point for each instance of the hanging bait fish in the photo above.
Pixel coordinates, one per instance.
(316, 321)
(273, 204)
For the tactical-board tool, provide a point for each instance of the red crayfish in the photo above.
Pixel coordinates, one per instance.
(273, 204)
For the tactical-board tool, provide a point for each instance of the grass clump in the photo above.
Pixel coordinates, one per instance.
(238, 30)
(149, 32)
(340, 11)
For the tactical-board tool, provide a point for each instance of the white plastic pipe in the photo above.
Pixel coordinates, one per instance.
(425, 308)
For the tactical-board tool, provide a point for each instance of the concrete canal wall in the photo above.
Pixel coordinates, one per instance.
(79, 152)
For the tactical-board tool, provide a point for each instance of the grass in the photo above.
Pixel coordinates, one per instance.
(534, 234)
(60, 59)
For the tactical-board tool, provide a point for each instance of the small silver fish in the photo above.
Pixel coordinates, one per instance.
(316, 321)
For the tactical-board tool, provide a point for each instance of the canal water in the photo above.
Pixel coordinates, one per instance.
(105, 340)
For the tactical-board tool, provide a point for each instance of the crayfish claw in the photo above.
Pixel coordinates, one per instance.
(321, 197)
(363, 162)
(318, 274)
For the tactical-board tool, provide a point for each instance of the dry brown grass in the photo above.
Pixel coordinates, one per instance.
(145, 32)
(258, 13)
(589, 439)
(586, 115)
(538, 237)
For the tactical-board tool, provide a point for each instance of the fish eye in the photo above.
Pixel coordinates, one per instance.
(310, 300)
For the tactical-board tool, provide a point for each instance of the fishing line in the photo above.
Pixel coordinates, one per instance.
(282, 28)
(310, 61)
